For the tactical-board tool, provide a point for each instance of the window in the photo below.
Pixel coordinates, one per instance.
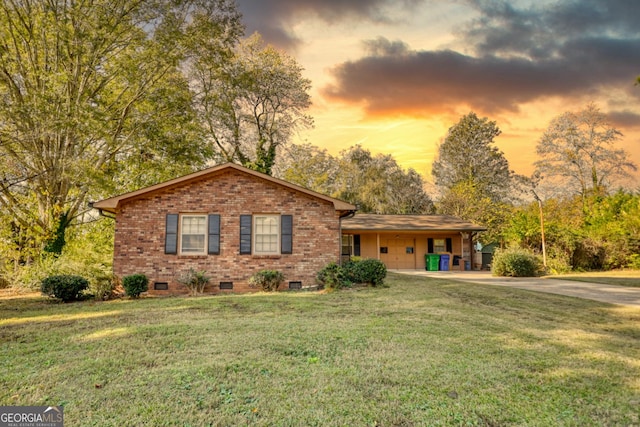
(193, 234)
(347, 245)
(267, 234)
(439, 245)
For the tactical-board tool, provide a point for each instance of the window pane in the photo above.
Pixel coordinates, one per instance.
(266, 234)
(347, 244)
(193, 234)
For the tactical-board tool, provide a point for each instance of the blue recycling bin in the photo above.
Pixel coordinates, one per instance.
(444, 262)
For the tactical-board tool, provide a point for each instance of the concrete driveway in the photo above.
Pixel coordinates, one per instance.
(612, 294)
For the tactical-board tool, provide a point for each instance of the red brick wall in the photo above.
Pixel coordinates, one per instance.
(140, 232)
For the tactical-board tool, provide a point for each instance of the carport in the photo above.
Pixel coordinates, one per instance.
(402, 241)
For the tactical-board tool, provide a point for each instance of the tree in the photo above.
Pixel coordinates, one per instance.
(77, 88)
(473, 176)
(251, 102)
(578, 148)
(464, 200)
(311, 167)
(467, 157)
(376, 184)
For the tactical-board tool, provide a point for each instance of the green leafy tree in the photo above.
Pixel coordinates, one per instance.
(250, 102)
(376, 184)
(613, 223)
(473, 176)
(563, 222)
(578, 148)
(311, 167)
(467, 156)
(464, 200)
(79, 88)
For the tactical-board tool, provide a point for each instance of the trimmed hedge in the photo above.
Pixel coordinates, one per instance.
(65, 287)
(135, 284)
(369, 270)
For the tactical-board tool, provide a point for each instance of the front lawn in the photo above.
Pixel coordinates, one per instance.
(422, 352)
(614, 277)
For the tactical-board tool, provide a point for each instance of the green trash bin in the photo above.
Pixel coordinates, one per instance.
(432, 262)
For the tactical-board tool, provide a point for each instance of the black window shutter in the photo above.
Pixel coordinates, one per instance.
(214, 234)
(430, 246)
(286, 234)
(171, 235)
(245, 234)
(356, 245)
(449, 245)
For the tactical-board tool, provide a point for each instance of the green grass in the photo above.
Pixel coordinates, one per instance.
(420, 352)
(615, 277)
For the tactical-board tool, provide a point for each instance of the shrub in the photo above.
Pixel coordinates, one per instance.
(135, 284)
(65, 287)
(267, 280)
(559, 264)
(194, 280)
(515, 262)
(332, 276)
(633, 261)
(367, 270)
(103, 287)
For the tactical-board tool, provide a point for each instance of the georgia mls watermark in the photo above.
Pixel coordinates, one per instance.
(31, 416)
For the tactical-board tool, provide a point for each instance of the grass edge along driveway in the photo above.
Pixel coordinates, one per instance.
(422, 351)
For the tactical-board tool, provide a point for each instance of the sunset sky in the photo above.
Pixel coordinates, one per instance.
(394, 75)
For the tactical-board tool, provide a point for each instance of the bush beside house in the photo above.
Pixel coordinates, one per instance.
(516, 262)
(65, 287)
(370, 271)
(135, 284)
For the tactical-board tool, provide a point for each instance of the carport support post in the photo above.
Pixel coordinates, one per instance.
(472, 250)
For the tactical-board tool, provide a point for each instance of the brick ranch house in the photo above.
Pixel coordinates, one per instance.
(232, 222)
(229, 221)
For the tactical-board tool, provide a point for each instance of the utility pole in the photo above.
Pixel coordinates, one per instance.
(544, 251)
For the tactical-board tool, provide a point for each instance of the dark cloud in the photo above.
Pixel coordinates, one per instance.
(273, 19)
(517, 56)
(625, 119)
(541, 32)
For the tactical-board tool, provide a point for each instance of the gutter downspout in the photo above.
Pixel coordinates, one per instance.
(348, 214)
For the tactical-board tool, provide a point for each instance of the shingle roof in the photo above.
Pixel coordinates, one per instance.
(111, 204)
(373, 222)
